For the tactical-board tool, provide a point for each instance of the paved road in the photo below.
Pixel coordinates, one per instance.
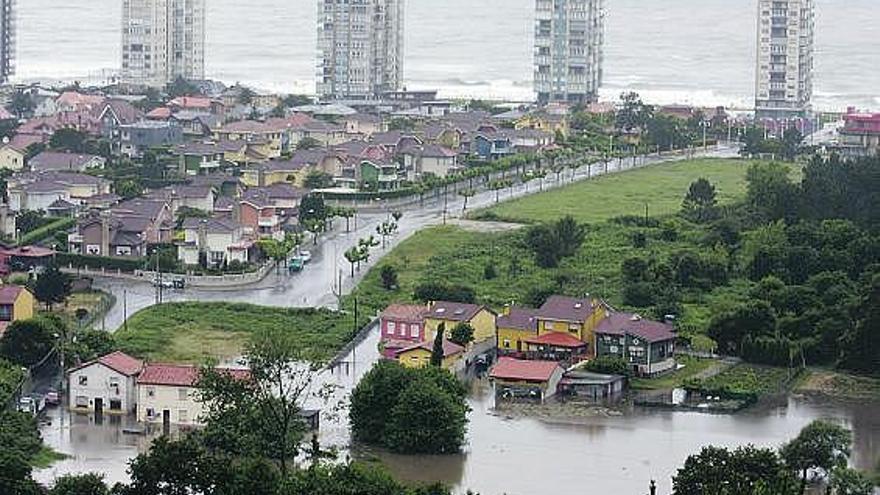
(315, 285)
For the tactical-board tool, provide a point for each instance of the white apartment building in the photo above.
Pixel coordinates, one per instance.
(784, 81)
(569, 47)
(162, 40)
(7, 39)
(105, 385)
(360, 48)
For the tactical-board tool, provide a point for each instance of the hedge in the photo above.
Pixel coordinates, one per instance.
(99, 262)
(46, 231)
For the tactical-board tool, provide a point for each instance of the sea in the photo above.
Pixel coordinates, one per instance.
(698, 52)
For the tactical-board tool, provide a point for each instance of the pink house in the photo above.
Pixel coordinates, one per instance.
(402, 325)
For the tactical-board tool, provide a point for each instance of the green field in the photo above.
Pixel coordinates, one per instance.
(747, 379)
(194, 332)
(662, 187)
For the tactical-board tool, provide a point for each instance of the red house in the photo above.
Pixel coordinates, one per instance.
(402, 325)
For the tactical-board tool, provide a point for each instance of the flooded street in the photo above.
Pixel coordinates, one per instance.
(524, 450)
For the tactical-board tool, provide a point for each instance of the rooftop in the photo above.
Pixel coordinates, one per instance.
(557, 339)
(409, 312)
(118, 361)
(449, 348)
(178, 375)
(526, 371)
(623, 323)
(57, 160)
(565, 308)
(9, 293)
(519, 319)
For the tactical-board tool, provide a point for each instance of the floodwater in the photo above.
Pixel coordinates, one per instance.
(515, 450)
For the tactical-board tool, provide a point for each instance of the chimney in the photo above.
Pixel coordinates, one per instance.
(105, 233)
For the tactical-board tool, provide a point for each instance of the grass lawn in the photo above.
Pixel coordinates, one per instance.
(194, 332)
(748, 379)
(662, 186)
(46, 457)
(692, 367)
(840, 385)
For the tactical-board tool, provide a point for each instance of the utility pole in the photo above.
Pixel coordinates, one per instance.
(125, 309)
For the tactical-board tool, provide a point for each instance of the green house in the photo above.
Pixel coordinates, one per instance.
(647, 346)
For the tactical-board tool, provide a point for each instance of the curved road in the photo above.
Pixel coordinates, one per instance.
(315, 286)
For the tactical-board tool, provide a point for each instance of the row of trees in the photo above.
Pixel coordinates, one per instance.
(821, 447)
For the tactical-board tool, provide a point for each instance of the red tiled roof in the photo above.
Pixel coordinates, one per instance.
(557, 339)
(407, 312)
(9, 293)
(449, 348)
(122, 362)
(28, 252)
(527, 371)
(178, 375)
(622, 323)
(159, 113)
(191, 102)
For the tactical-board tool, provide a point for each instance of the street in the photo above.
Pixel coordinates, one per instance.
(315, 286)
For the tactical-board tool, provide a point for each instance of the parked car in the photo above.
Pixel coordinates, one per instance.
(306, 256)
(295, 264)
(32, 404)
(53, 398)
(164, 282)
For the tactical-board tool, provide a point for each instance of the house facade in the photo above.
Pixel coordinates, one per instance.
(105, 385)
(401, 325)
(16, 303)
(514, 378)
(576, 317)
(450, 314)
(217, 240)
(419, 355)
(168, 394)
(647, 346)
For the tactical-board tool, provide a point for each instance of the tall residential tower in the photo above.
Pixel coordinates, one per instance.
(162, 40)
(569, 42)
(360, 48)
(784, 82)
(7, 39)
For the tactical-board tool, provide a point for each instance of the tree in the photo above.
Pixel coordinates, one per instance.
(69, 140)
(633, 114)
(431, 291)
(744, 471)
(861, 345)
(80, 484)
(386, 229)
(791, 142)
(312, 207)
(88, 345)
(462, 334)
(317, 180)
(819, 445)
(466, 194)
(753, 319)
(388, 274)
(551, 243)
(700, 201)
(347, 214)
(52, 286)
(29, 220)
(128, 188)
(609, 365)
(770, 192)
(354, 256)
(21, 105)
(437, 353)
(308, 143)
(181, 87)
(373, 397)
(848, 481)
(27, 342)
(427, 420)
(259, 415)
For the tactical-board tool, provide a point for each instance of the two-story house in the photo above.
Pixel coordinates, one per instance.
(136, 138)
(566, 326)
(106, 384)
(168, 393)
(16, 303)
(214, 241)
(647, 346)
(401, 325)
(450, 314)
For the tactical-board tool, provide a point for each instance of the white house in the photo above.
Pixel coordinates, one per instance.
(167, 394)
(219, 239)
(106, 384)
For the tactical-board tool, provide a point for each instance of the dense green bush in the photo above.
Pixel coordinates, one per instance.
(46, 231)
(98, 262)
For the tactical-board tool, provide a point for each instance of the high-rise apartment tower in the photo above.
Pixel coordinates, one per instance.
(360, 48)
(7, 39)
(784, 81)
(162, 40)
(569, 43)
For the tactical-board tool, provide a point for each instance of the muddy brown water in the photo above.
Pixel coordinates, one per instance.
(516, 450)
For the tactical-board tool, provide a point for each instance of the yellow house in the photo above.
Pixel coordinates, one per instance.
(11, 158)
(265, 139)
(481, 318)
(575, 316)
(16, 303)
(544, 121)
(419, 355)
(515, 326)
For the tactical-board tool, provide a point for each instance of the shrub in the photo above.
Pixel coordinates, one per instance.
(389, 277)
(489, 271)
(439, 292)
(609, 365)
(99, 262)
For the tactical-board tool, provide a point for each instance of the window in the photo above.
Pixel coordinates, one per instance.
(6, 312)
(414, 331)
(183, 416)
(182, 394)
(83, 380)
(391, 327)
(506, 344)
(151, 413)
(151, 392)
(82, 401)
(548, 325)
